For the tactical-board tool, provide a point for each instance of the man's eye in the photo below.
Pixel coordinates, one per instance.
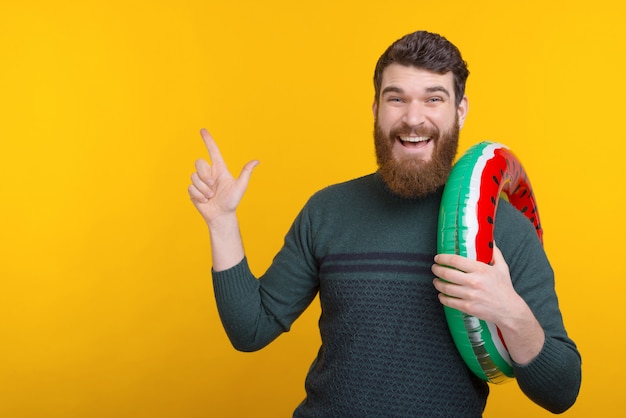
(435, 99)
(394, 99)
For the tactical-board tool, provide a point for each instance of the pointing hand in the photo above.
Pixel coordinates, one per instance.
(214, 191)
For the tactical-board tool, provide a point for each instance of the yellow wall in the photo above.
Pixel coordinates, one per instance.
(106, 306)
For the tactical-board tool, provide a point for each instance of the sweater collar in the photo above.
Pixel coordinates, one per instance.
(380, 183)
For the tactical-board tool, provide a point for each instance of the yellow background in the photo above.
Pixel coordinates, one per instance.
(106, 305)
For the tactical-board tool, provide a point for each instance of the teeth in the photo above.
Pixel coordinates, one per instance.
(414, 138)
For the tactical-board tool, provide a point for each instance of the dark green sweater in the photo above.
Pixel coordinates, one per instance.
(386, 348)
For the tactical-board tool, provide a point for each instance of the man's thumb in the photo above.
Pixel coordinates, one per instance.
(246, 171)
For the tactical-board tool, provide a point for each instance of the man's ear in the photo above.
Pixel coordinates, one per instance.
(462, 110)
(375, 108)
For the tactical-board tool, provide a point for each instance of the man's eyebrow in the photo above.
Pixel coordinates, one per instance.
(391, 89)
(441, 89)
(433, 89)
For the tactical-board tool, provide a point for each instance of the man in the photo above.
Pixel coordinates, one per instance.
(367, 246)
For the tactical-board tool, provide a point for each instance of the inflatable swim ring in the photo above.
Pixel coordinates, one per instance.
(486, 172)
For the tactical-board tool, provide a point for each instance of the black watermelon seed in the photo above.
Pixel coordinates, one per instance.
(490, 219)
(496, 180)
(524, 209)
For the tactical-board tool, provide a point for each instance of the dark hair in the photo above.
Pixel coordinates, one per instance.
(427, 51)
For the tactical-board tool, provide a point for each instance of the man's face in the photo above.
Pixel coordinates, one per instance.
(416, 129)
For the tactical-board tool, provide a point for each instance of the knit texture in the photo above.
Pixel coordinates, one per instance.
(386, 349)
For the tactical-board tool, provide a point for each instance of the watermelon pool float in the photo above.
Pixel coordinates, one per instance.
(484, 174)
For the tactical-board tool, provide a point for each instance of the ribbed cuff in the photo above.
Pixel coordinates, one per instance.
(541, 367)
(235, 282)
(552, 379)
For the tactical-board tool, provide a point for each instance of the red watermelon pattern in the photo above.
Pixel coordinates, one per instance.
(502, 175)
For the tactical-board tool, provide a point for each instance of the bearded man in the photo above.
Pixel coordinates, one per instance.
(367, 247)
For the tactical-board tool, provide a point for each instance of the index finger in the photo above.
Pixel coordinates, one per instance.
(211, 146)
(455, 261)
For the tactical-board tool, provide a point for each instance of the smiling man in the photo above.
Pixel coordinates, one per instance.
(367, 248)
(416, 128)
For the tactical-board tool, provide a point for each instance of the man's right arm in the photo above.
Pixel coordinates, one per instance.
(216, 195)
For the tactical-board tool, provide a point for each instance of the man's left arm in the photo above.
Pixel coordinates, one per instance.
(486, 292)
(546, 361)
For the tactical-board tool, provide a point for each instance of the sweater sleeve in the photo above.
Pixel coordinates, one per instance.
(552, 379)
(254, 311)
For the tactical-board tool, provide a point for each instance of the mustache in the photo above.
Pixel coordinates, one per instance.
(405, 130)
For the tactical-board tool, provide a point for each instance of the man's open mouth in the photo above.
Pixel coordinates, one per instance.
(414, 141)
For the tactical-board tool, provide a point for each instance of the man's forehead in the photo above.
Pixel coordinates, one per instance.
(395, 71)
(399, 78)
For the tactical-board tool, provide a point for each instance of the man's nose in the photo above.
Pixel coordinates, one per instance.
(414, 114)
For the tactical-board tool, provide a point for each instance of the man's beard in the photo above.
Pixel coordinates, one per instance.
(411, 177)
